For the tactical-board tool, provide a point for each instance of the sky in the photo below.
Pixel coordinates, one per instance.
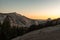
(35, 9)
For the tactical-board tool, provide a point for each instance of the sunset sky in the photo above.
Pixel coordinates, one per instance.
(35, 9)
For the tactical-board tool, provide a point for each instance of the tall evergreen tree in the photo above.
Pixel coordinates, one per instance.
(6, 28)
(6, 23)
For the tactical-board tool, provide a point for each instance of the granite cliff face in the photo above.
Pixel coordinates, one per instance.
(18, 20)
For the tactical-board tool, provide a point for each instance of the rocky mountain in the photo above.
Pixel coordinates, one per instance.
(49, 33)
(18, 19)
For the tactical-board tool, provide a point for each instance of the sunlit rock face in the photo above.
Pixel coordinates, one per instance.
(18, 20)
(50, 33)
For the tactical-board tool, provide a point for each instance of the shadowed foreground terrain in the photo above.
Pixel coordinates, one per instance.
(49, 33)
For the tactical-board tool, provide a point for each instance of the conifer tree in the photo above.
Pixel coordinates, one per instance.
(6, 28)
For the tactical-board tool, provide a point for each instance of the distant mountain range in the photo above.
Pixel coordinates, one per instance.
(19, 20)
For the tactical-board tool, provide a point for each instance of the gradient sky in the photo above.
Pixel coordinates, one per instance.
(36, 9)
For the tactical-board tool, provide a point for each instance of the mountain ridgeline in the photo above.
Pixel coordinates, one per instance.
(18, 20)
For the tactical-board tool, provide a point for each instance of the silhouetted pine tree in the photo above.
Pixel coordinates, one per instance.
(6, 28)
(6, 23)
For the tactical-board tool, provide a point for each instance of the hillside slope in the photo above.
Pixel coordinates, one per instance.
(49, 33)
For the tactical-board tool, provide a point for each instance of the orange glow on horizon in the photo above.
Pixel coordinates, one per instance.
(41, 17)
